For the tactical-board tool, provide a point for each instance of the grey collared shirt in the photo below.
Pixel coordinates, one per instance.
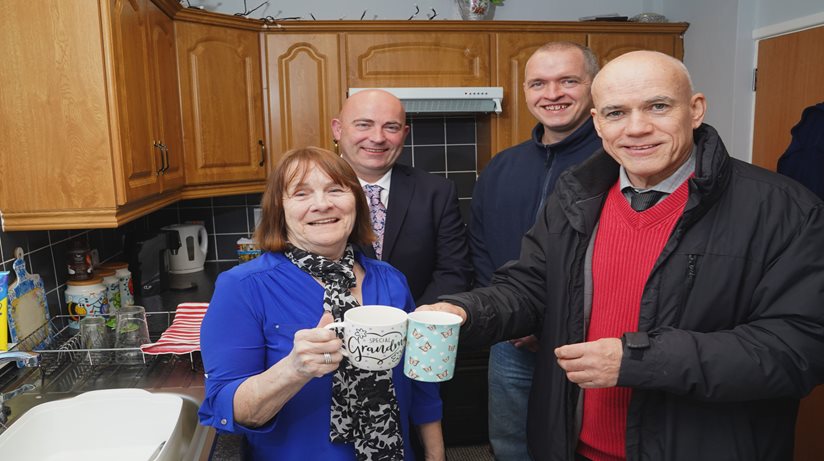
(666, 186)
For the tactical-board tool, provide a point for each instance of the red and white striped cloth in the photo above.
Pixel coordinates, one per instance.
(183, 335)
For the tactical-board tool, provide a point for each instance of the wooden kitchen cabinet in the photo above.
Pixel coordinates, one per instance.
(609, 45)
(146, 86)
(163, 54)
(375, 54)
(304, 89)
(222, 102)
(402, 59)
(112, 109)
(79, 110)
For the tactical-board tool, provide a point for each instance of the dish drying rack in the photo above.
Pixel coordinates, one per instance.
(59, 344)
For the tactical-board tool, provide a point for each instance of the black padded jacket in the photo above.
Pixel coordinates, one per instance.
(731, 329)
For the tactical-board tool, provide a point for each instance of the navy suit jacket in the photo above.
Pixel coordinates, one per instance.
(425, 237)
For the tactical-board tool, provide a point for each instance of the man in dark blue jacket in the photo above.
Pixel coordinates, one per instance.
(510, 193)
(804, 158)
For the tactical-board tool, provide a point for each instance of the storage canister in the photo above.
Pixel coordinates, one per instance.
(123, 274)
(86, 297)
(79, 261)
(112, 284)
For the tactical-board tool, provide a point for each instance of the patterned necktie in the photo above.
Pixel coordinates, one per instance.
(377, 213)
(640, 201)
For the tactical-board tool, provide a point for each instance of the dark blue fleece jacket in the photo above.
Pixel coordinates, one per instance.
(804, 159)
(511, 190)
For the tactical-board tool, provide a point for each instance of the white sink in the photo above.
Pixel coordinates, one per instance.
(121, 424)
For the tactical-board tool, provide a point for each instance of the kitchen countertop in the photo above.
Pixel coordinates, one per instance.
(163, 373)
(198, 288)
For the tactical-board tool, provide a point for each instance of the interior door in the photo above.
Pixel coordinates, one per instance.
(790, 72)
(790, 76)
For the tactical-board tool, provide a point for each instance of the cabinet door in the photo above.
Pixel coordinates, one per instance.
(141, 159)
(514, 125)
(607, 46)
(221, 93)
(303, 81)
(167, 96)
(56, 155)
(401, 59)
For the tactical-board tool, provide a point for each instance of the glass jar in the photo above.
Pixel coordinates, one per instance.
(121, 270)
(79, 261)
(86, 297)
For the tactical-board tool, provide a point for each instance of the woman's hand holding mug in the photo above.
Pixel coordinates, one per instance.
(316, 351)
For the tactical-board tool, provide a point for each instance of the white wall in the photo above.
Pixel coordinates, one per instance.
(709, 46)
(720, 53)
(537, 10)
(771, 12)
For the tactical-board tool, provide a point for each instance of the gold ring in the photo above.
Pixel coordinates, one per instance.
(327, 358)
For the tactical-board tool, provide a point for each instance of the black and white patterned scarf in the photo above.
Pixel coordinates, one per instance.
(364, 407)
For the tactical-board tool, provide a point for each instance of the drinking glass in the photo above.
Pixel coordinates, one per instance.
(94, 336)
(131, 331)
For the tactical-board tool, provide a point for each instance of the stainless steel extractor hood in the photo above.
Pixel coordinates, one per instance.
(445, 100)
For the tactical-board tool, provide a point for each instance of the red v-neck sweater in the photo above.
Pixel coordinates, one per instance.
(626, 247)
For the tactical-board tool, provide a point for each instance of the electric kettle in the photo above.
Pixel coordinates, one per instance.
(191, 254)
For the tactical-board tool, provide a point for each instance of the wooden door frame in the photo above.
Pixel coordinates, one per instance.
(771, 31)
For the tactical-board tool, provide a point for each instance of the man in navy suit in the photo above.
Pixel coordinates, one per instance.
(423, 234)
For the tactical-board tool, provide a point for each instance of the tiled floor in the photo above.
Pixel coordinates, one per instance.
(469, 453)
(228, 448)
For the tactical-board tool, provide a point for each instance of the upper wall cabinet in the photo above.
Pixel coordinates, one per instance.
(222, 100)
(81, 104)
(112, 109)
(304, 89)
(609, 45)
(148, 98)
(163, 53)
(446, 58)
(315, 62)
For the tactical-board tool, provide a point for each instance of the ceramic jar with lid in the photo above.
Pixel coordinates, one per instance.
(86, 297)
(112, 284)
(124, 276)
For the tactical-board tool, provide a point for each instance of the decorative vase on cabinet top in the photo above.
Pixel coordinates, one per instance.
(475, 10)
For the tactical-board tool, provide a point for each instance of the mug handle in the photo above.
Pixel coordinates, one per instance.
(336, 325)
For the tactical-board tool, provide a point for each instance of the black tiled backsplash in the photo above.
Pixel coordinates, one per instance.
(446, 146)
(45, 251)
(443, 145)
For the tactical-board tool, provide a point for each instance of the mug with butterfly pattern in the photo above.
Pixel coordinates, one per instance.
(431, 345)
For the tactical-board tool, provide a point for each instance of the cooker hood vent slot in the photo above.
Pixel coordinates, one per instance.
(446, 100)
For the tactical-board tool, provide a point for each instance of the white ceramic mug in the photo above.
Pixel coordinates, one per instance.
(431, 346)
(373, 336)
